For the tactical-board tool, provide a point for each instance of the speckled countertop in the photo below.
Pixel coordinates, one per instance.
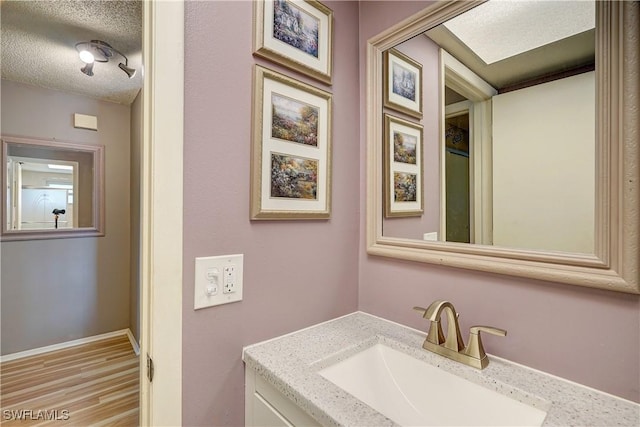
(290, 363)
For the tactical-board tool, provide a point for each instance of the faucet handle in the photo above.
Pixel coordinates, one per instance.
(474, 346)
(489, 329)
(421, 310)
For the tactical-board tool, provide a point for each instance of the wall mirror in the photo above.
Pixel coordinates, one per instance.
(51, 189)
(529, 147)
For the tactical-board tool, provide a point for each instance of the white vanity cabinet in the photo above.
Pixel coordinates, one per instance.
(287, 383)
(267, 407)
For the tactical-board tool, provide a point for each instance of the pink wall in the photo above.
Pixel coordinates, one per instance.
(426, 53)
(296, 273)
(585, 335)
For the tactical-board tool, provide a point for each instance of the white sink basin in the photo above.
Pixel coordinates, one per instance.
(412, 392)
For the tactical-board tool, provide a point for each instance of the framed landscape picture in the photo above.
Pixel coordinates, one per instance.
(291, 150)
(402, 83)
(403, 170)
(297, 34)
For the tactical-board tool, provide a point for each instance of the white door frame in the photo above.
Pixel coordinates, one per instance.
(161, 212)
(458, 77)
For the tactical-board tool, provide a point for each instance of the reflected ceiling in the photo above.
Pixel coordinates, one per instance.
(516, 52)
(512, 28)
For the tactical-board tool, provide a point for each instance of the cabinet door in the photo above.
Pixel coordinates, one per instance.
(265, 406)
(266, 415)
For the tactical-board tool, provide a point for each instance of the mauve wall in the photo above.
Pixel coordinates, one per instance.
(588, 336)
(425, 52)
(296, 273)
(60, 290)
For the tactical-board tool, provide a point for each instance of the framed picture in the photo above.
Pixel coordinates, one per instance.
(402, 83)
(403, 171)
(297, 34)
(291, 150)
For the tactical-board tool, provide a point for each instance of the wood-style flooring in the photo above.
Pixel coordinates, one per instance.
(91, 384)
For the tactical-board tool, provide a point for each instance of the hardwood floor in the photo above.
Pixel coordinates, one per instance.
(91, 384)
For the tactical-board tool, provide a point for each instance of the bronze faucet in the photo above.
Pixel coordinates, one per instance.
(452, 346)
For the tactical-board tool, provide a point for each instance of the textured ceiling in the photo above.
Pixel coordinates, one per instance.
(562, 55)
(512, 28)
(39, 38)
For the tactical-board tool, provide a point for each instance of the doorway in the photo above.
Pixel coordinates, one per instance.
(466, 155)
(457, 130)
(161, 250)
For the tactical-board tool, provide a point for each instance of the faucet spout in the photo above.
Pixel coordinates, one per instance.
(452, 346)
(453, 340)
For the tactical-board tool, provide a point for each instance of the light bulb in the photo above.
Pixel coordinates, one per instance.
(86, 57)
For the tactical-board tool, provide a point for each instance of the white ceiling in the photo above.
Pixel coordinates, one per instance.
(519, 41)
(510, 28)
(39, 38)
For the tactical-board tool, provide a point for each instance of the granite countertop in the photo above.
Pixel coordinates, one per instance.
(290, 363)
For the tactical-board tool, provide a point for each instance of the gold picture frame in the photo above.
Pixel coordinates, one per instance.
(291, 149)
(297, 34)
(403, 168)
(402, 83)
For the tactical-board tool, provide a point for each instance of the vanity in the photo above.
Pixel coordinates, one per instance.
(302, 379)
(364, 370)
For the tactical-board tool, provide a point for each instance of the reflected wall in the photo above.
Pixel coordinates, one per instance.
(551, 326)
(425, 52)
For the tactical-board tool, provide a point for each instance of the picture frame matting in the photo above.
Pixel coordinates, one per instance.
(291, 149)
(403, 167)
(402, 83)
(297, 34)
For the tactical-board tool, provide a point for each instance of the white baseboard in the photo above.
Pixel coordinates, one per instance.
(67, 344)
(134, 343)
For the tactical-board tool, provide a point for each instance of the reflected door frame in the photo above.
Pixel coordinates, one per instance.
(461, 79)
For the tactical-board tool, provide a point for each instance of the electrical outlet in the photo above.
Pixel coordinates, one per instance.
(229, 279)
(218, 280)
(433, 236)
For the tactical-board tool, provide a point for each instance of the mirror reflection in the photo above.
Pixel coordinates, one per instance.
(509, 128)
(40, 193)
(50, 187)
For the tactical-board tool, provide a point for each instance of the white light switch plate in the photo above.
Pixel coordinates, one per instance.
(218, 280)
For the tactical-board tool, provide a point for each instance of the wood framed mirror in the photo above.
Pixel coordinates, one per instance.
(51, 189)
(612, 263)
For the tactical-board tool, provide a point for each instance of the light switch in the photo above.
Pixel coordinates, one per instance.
(218, 280)
(213, 277)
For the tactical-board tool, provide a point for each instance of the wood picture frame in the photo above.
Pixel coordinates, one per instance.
(403, 167)
(297, 34)
(291, 149)
(402, 83)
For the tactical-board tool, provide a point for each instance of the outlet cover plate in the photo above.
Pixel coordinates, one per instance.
(209, 280)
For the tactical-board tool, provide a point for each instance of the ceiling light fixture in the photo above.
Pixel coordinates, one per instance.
(99, 51)
(88, 69)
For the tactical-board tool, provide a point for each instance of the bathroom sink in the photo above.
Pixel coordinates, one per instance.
(412, 392)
